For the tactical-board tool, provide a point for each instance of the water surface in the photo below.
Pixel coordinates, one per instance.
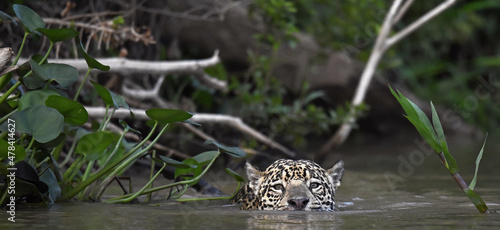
(379, 191)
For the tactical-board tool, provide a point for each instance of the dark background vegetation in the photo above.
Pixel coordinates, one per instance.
(293, 65)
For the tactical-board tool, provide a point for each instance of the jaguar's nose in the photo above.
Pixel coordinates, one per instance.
(299, 203)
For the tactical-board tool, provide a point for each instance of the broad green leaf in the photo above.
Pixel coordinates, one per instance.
(33, 83)
(103, 93)
(42, 122)
(60, 34)
(49, 178)
(36, 97)
(63, 74)
(51, 144)
(476, 200)
(29, 18)
(18, 150)
(189, 173)
(91, 62)
(164, 116)
(176, 164)
(235, 175)
(233, 151)
(94, 143)
(205, 157)
(472, 184)
(74, 113)
(5, 17)
(119, 101)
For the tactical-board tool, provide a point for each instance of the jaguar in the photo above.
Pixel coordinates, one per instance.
(290, 185)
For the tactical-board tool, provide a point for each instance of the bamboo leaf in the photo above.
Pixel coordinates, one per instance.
(451, 163)
(437, 124)
(426, 134)
(476, 200)
(478, 160)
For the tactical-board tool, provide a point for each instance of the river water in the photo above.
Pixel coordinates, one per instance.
(385, 187)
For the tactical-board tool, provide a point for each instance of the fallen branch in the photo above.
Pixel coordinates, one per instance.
(383, 43)
(201, 118)
(129, 67)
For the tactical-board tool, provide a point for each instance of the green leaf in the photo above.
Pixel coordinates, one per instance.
(437, 124)
(110, 98)
(176, 164)
(42, 122)
(233, 151)
(74, 113)
(63, 74)
(164, 116)
(451, 163)
(103, 93)
(472, 184)
(189, 173)
(58, 35)
(418, 118)
(51, 144)
(424, 120)
(425, 133)
(19, 151)
(235, 175)
(5, 17)
(205, 157)
(36, 97)
(93, 144)
(476, 200)
(48, 177)
(29, 18)
(91, 62)
(119, 101)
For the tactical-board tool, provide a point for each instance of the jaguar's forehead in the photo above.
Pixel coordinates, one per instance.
(294, 169)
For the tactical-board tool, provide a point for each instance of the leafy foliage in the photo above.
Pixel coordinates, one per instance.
(36, 125)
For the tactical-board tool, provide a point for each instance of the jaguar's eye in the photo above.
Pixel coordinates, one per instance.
(315, 185)
(278, 187)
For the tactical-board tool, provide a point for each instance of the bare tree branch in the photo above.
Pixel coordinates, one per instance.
(381, 45)
(128, 67)
(201, 118)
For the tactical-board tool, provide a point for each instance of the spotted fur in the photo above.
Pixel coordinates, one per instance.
(291, 185)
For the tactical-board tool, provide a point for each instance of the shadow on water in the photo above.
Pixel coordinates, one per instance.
(379, 191)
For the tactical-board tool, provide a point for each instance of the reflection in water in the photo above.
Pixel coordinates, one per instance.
(294, 221)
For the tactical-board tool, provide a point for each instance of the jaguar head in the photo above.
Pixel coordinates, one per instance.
(295, 185)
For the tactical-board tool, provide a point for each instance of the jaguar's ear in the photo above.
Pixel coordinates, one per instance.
(336, 173)
(254, 177)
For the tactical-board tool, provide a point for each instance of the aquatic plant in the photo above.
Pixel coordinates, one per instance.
(37, 124)
(433, 134)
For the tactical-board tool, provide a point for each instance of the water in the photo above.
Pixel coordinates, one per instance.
(379, 191)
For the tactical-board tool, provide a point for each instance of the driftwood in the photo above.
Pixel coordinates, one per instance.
(128, 67)
(202, 118)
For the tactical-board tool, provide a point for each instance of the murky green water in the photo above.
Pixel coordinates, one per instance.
(379, 191)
